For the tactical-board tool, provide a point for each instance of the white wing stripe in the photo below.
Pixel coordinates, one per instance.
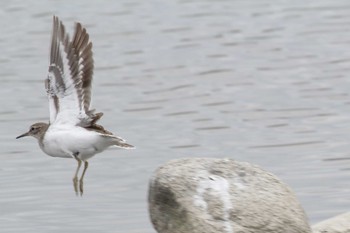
(68, 83)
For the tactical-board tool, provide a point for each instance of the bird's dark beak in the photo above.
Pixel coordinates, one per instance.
(23, 135)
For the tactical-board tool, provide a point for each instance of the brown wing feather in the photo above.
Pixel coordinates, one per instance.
(78, 53)
(56, 67)
(83, 51)
(60, 36)
(99, 129)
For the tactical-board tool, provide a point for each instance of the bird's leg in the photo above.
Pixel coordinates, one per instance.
(81, 181)
(75, 178)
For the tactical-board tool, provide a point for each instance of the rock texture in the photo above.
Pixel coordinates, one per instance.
(203, 195)
(338, 224)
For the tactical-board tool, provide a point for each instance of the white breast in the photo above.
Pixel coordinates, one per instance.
(68, 140)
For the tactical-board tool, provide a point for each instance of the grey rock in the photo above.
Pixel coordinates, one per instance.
(337, 224)
(204, 195)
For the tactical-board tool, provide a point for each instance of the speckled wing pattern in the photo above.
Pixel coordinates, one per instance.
(68, 84)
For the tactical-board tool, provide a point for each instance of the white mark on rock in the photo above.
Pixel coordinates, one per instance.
(239, 183)
(218, 188)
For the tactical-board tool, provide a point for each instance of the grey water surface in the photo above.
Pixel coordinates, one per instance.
(261, 81)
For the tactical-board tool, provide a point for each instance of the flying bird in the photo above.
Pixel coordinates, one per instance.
(72, 131)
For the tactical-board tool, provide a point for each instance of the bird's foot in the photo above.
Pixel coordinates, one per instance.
(75, 184)
(81, 187)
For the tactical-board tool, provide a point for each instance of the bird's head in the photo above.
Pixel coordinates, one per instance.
(36, 130)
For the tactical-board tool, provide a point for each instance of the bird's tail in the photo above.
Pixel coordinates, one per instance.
(119, 142)
(123, 145)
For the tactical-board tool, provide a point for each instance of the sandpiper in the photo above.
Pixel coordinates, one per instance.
(72, 131)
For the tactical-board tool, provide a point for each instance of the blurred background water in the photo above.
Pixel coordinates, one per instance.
(261, 81)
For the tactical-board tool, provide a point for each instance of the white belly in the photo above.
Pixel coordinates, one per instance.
(66, 142)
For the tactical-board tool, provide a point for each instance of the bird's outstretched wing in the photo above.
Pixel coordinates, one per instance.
(68, 84)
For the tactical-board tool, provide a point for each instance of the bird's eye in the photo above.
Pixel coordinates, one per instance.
(32, 129)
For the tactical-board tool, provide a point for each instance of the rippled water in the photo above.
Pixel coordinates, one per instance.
(260, 81)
